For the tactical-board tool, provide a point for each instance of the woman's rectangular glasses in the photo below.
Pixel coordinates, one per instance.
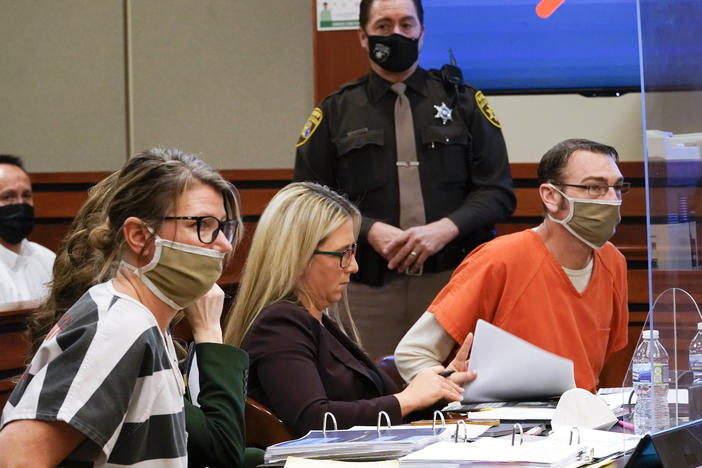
(345, 256)
(208, 227)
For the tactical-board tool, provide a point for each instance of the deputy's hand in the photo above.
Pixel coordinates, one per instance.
(426, 388)
(380, 235)
(419, 243)
(204, 316)
(460, 363)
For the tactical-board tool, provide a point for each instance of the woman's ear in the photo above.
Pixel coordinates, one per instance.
(137, 237)
(550, 198)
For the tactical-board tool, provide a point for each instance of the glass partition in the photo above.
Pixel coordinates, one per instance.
(671, 70)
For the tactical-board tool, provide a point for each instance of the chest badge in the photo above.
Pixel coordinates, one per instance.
(443, 113)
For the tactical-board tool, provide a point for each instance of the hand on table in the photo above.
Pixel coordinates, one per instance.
(426, 388)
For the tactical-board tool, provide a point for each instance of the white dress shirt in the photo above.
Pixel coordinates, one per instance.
(24, 276)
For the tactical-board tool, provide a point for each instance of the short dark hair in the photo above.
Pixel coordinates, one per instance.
(555, 160)
(12, 160)
(365, 7)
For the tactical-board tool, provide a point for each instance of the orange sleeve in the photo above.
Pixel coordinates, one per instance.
(472, 293)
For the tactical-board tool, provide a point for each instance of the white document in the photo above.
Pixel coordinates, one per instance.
(510, 368)
(514, 413)
(489, 451)
(616, 397)
(296, 462)
(604, 443)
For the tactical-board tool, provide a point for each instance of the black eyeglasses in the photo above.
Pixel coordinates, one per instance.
(208, 227)
(600, 190)
(345, 256)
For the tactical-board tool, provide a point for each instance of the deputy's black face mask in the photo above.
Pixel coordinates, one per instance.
(394, 53)
(16, 222)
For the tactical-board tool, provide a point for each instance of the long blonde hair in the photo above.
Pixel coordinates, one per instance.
(295, 222)
(146, 187)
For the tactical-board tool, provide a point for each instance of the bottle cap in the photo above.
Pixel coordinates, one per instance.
(646, 334)
(699, 326)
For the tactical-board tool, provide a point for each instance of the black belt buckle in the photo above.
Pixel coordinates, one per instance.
(418, 273)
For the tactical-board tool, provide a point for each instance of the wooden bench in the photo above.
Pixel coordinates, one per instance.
(59, 195)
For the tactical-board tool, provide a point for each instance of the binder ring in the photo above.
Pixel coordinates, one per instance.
(521, 433)
(387, 420)
(324, 423)
(460, 423)
(577, 432)
(441, 416)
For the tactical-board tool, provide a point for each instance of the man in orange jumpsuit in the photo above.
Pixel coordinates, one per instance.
(560, 286)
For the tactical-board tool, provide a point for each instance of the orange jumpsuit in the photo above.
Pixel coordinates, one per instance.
(514, 283)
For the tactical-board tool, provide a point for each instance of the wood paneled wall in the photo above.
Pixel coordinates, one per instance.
(59, 195)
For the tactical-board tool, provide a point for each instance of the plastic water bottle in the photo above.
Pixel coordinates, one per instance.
(651, 412)
(695, 392)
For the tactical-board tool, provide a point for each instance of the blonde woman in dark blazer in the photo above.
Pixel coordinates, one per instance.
(302, 362)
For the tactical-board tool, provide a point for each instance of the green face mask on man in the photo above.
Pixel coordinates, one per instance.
(592, 221)
(180, 274)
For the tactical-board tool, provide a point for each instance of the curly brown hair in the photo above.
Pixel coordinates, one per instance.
(146, 187)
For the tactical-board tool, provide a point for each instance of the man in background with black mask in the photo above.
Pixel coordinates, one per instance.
(424, 160)
(560, 286)
(25, 267)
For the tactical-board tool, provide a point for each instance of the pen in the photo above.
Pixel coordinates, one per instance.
(447, 372)
(536, 430)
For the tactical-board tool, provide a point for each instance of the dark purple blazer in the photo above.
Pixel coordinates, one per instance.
(301, 369)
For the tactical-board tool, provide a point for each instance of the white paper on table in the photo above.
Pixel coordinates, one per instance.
(616, 397)
(603, 443)
(514, 413)
(297, 462)
(510, 368)
(194, 381)
(488, 451)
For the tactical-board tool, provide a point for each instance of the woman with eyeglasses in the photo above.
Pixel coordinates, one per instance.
(302, 361)
(104, 387)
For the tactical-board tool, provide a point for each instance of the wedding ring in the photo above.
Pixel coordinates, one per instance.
(413, 253)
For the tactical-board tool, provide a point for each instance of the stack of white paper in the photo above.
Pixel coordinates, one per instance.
(510, 368)
(488, 452)
(603, 443)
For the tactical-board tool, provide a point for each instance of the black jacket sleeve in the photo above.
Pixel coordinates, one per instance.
(491, 198)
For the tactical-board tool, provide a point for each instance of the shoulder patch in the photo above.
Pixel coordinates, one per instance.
(485, 108)
(310, 126)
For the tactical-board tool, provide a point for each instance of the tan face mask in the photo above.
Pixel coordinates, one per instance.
(592, 221)
(180, 274)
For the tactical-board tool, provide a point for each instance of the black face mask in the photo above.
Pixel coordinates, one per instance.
(16, 222)
(394, 53)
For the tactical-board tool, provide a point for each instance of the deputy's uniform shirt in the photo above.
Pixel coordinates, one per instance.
(107, 370)
(348, 144)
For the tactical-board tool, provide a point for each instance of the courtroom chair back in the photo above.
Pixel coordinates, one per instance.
(14, 336)
(263, 428)
(387, 364)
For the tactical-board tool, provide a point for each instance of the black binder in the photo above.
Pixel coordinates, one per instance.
(677, 447)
